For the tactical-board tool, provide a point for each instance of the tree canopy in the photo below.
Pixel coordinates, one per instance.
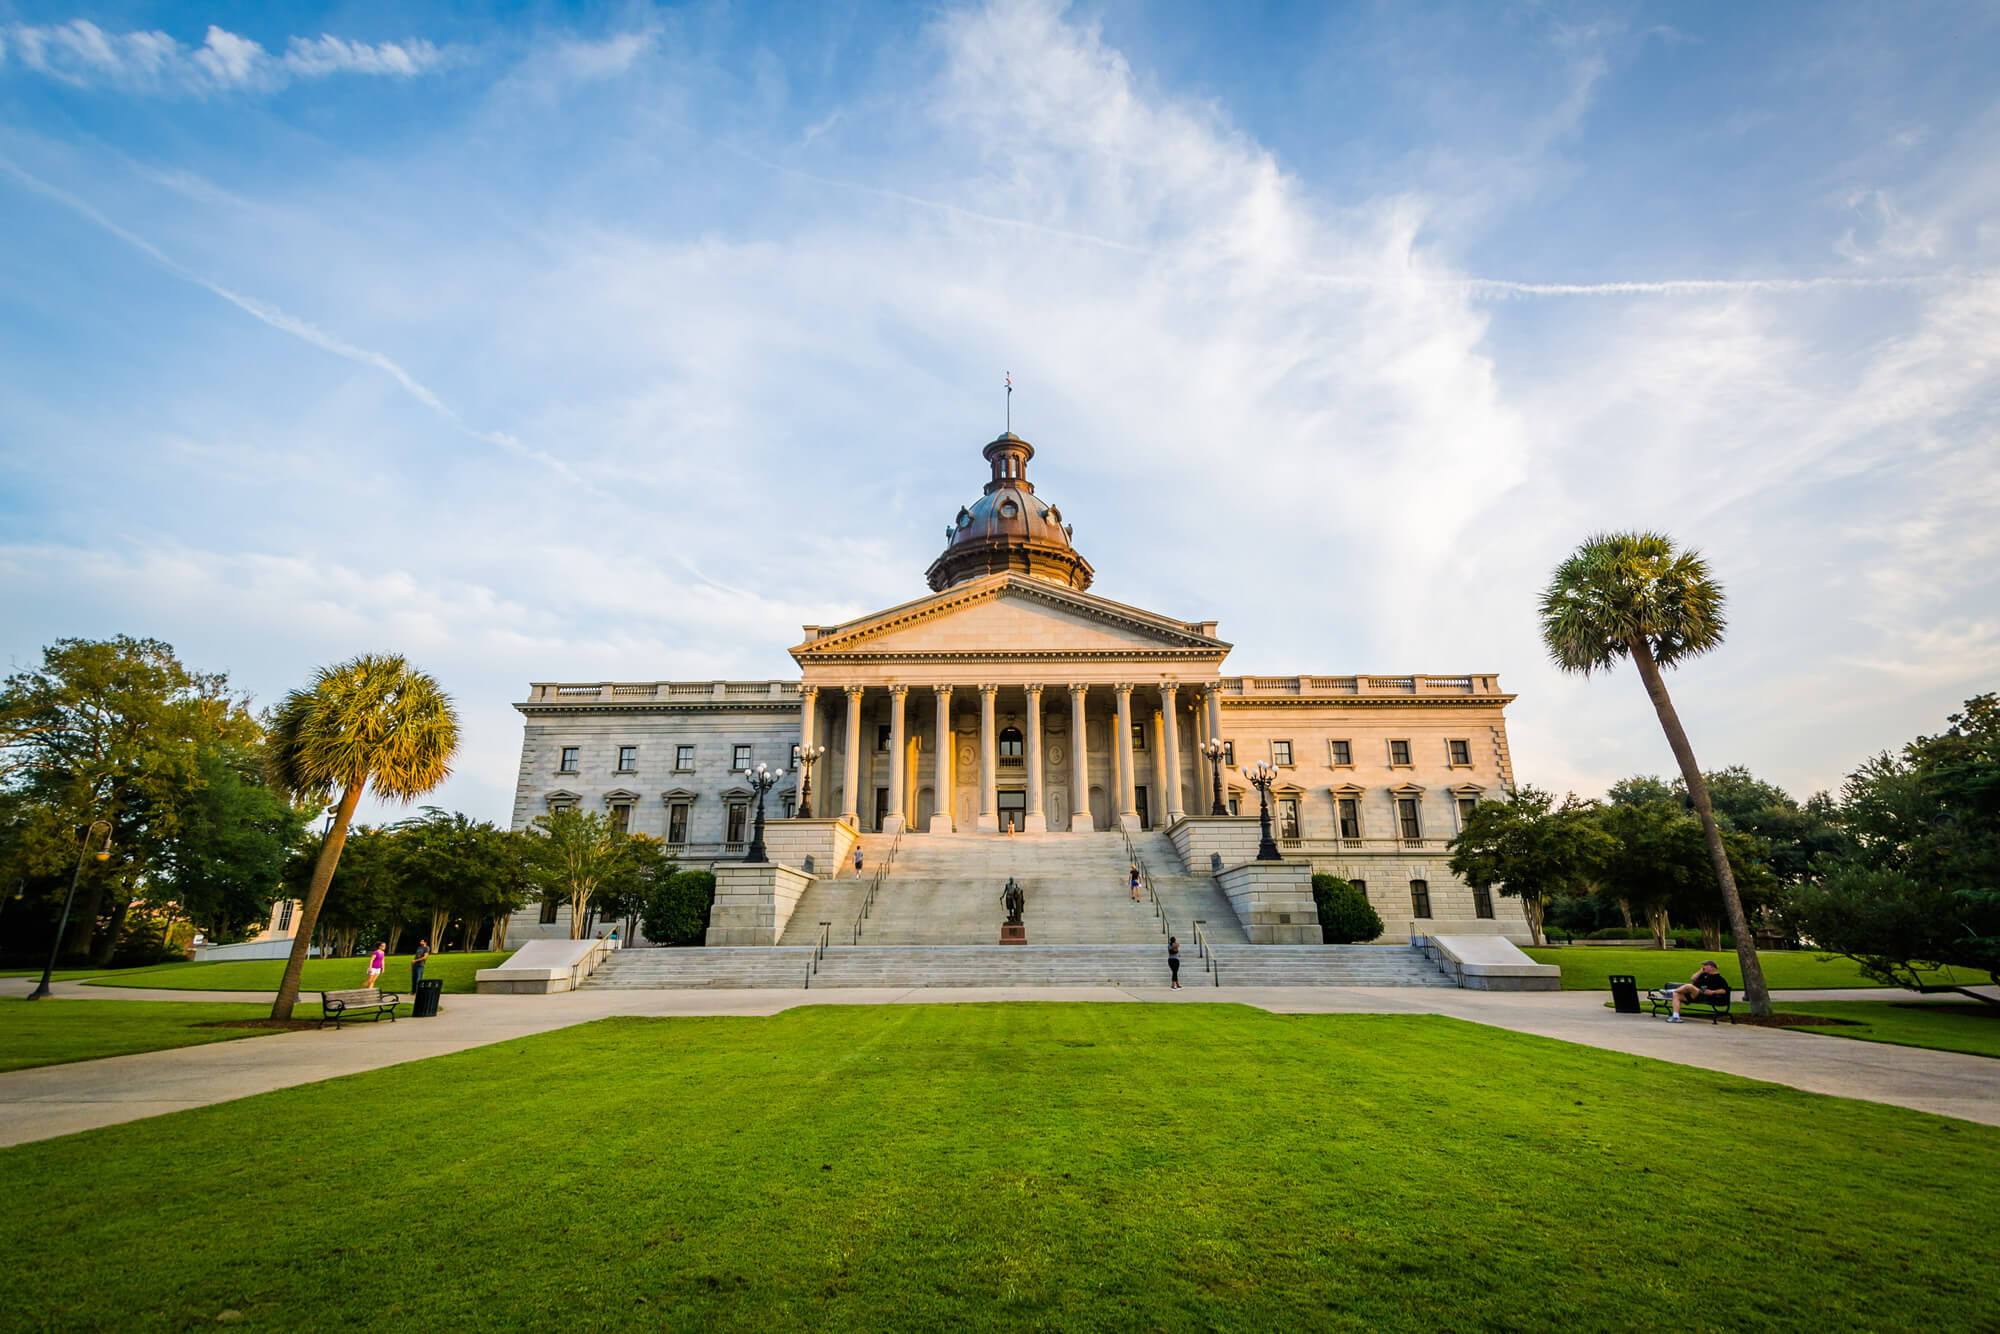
(1530, 847)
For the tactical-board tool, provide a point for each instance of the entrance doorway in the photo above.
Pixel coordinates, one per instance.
(1139, 802)
(1013, 809)
(881, 807)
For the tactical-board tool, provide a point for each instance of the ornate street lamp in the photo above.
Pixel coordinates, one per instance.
(1261, 776)
(103, 854)
(761, 779)
(1214, 749)
(808, 757)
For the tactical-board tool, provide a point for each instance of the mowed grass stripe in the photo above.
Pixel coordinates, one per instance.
(1004, 1166)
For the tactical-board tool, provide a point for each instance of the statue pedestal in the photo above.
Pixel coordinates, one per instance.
(1013, 933)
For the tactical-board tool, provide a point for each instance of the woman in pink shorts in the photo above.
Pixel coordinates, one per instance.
(375, 963)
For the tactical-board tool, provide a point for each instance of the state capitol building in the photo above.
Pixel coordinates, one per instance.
(1012, 700)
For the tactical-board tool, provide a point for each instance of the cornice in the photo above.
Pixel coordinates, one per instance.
(789, 704)
(1368, 701)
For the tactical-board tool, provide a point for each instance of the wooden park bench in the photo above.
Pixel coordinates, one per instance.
(1662, 1000)
(371, 1001)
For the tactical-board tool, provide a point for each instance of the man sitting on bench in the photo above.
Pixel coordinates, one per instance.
(1708, 985)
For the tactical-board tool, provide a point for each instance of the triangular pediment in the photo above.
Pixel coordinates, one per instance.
(1007, 615)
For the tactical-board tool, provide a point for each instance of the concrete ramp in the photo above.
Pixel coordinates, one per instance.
(543, 967)
(1488, 963)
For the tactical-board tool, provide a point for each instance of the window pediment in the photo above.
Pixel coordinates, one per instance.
(674, 794)
(618, 795)
(1349, 790)
(1407, 790)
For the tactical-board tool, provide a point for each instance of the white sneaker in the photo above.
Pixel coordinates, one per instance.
(1674, 1019)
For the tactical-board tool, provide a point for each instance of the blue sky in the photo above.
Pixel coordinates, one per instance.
(619, 342)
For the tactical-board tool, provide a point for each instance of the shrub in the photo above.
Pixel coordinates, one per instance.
(1345, 915)
(676, 912)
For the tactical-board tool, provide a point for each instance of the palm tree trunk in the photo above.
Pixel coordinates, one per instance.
(329, 857)
(1754, 989)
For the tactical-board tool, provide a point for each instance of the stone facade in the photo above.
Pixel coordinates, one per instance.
(1013, 698)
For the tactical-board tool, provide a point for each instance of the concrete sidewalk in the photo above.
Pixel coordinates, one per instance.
(61, 1099)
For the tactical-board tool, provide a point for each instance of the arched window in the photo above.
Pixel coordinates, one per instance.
(1010, 743)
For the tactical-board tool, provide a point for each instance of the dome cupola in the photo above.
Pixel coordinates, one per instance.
(1009, 528)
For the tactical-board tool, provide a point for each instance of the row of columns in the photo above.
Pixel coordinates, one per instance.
(1036, 818)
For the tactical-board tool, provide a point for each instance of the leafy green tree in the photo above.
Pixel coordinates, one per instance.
(446, 865)
(105, 729)
(1916, 886)
(373, 719)
(1659, 864)
(677, 910)
(1633, 595)
(225, 858)
(575, 854)
(644, 864)
(1346, 917)
(1530, 848)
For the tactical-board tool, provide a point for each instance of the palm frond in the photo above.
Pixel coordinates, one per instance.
(371, 719)
(1619, 588)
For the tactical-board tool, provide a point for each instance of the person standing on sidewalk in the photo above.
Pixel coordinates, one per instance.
(417, 962)
(1174, 960)
(375, 963)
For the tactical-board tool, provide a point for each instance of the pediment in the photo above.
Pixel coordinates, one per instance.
(1008, 615)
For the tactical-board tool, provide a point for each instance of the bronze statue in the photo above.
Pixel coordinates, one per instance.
(1014, 900)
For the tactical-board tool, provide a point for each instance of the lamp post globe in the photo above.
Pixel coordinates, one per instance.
(1261, 776)
(1214, 750)
(761, 779)
(808, 757)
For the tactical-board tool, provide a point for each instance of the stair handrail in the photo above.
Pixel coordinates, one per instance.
(1209, 963)
(868, 899)
(1146, 879)
(817, 952)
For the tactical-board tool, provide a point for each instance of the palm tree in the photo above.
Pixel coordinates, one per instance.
(373, 719)
(1632, 594)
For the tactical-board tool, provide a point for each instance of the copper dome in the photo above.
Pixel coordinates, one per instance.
(1009, 528)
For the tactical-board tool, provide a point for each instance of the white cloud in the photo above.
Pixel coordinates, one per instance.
(83, 55)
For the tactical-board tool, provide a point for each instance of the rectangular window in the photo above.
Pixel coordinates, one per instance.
(621, 818)
(739, 758)
(1343, 754)
(628, 759)
(788, 801)
(1350, 817)
(1460, 753)
(1465, 805)
(1406, 812)
(561, 804)
(548, 912)
(1399, 752)
(1420, 898)
(285, 915)
(795, 755)
(1288, 817)
(684, 759)
(568, 762)
(677, 822)
(1361, 885)
(1138, 736)
(738, 813)
(1232, 806)
(1482, 903)
(882, 739)
(1281, 753)
(1229, 758)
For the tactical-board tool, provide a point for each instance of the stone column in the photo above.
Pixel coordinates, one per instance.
(989, 796)
(1079, 773)
(1170, 748)
(1037, 818)
(850, 808)
(893, 822)
(1128, 796)
(944, 782)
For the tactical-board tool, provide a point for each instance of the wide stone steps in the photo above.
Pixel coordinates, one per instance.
(1015, 966)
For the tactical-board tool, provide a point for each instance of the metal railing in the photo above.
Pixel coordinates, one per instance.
(1209, 963)
(818, 952)
(874, 886)
(1146, 879)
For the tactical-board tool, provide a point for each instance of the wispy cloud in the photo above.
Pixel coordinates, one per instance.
(84, 55)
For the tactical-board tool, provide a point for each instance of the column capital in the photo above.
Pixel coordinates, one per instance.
(989, 689)
(1032, 690)
(1167, 689)
(899, 690)
(1079, 687)
(808, 691)
(1123, 687)
(854, 692)
(943, 689)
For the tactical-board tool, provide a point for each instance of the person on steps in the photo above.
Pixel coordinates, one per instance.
(1135, 882)
(857, 861)
(1174, 961)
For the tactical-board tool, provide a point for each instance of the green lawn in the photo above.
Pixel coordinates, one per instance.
(1054, 1166)
(52, 1032)
(455, 970)
(1588, 968)
(1967, 1026)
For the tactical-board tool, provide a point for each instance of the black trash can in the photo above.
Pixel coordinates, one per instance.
(1624, 993)
(428, 992)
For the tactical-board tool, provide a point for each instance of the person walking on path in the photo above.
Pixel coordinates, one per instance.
(417, 962)
(857, 861)
(375, 963)
(1174, 961)
(1135, 882)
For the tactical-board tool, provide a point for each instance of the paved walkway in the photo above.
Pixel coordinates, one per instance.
(60, 1099)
